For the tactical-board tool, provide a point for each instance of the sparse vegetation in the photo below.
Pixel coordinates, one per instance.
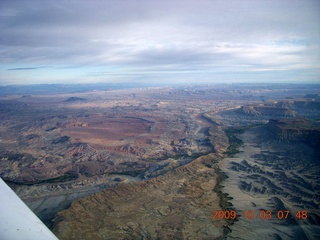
(234, 142)
(68, 176)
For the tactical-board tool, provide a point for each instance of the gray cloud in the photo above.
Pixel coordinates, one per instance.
(78, 38)
(25, 68)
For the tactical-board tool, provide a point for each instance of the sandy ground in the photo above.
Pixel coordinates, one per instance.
(244, 201)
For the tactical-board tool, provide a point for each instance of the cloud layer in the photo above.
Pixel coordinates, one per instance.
(173, 41)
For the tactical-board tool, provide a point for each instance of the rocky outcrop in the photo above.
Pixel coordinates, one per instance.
(177, 205)
(74, 99)
(295, 130)
(269, 110)
(286, 108)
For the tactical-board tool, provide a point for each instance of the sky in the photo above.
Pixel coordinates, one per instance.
(165, 42)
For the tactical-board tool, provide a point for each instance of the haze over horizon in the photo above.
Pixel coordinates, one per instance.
(151, 42)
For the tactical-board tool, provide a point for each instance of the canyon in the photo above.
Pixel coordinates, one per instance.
(155, 162)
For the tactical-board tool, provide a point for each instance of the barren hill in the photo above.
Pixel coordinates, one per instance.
(177, 205)
(295, 130)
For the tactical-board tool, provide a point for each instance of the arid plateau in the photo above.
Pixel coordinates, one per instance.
(154, 163)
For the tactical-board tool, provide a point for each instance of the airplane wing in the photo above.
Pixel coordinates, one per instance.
(17, 221)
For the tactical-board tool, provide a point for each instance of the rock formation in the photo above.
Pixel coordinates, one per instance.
(295, 130)
(177, 205)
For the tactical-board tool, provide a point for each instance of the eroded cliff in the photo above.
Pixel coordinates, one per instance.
(173, 206)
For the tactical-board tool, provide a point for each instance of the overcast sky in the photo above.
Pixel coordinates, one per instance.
(149, 41)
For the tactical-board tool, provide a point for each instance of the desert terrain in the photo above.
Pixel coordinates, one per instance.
(275, 167)
(149, 162)
(270, 173)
